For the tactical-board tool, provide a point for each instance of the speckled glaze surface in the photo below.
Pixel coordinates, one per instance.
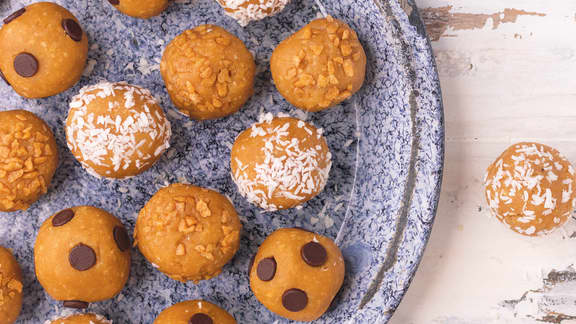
(381, 198)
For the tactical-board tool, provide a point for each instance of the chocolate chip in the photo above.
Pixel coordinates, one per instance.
(252, 259)
(4, 78)
(200, 318)
(75, 304)
(14, 15)
(294, 300)
(122, 239)
(266, 269)
(72, 29)
(26, 65)
(63, 217)
(82, 257)
(314, 254)
(114, 2)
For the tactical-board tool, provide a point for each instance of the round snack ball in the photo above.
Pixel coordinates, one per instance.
(82, 255)
(209, 73)
(116, 130)
(320, 66)
(140, 9)
(530, 188)
(81, 319)
(280, 163)
(10, 287)
(296, 273)
(43, 50)
(194, 312)
(245, 11)
(28, 159)
(188, 232)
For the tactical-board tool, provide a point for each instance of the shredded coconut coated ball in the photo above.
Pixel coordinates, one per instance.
(116, 130)
(281, 162)
(245, 11)
(530, 188)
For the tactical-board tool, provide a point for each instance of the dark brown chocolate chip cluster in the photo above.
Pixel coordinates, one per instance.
(294, 299)
(26, 64)
(83, 257)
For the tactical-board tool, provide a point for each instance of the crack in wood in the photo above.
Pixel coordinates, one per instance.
(438, 20)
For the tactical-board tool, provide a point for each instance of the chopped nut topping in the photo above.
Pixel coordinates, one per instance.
(15, 285)
(346, 49)
(180, 250)
(349, 68)
(225, 217)
(202, 208)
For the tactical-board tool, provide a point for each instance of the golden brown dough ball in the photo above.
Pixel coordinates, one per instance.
(82, 255)
(209, 73)
(296, 273)
(43, 50)
(116, 130)
(530, 188)
(28, 159)
(82, 319)
(10, 287)
(320, 66)
(187, 232)
(140, 8)
(245, 11)
(280, 163)
(194, 312)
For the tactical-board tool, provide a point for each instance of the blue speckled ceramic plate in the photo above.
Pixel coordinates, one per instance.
(379, 204)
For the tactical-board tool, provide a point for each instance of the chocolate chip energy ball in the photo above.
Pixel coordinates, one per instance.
(209, 73)
(10, 287)
(320, 66)
(28, 159)
(194, 312)
(43, 50)
(531, 188)
(82, 255)
(296, 274)
(245, 11)
(280, 163)
(116, 130)
(187, 232)
(140, 9)
(81, 319)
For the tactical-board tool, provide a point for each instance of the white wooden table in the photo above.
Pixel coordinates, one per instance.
(508, 72)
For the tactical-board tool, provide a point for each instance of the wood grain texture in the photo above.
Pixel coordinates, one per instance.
(508, 74)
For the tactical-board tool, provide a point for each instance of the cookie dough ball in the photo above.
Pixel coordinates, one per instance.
(116, 130)
(188, 232)
(320, 66)
(10, 287)
(530, 188)
(296, 274)
(43, 50)
(82, 319)
(82, 255)
(28, 159)
(280, 163)
(245, 11)
(140, 9)
(194, 312)
(209, 73)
